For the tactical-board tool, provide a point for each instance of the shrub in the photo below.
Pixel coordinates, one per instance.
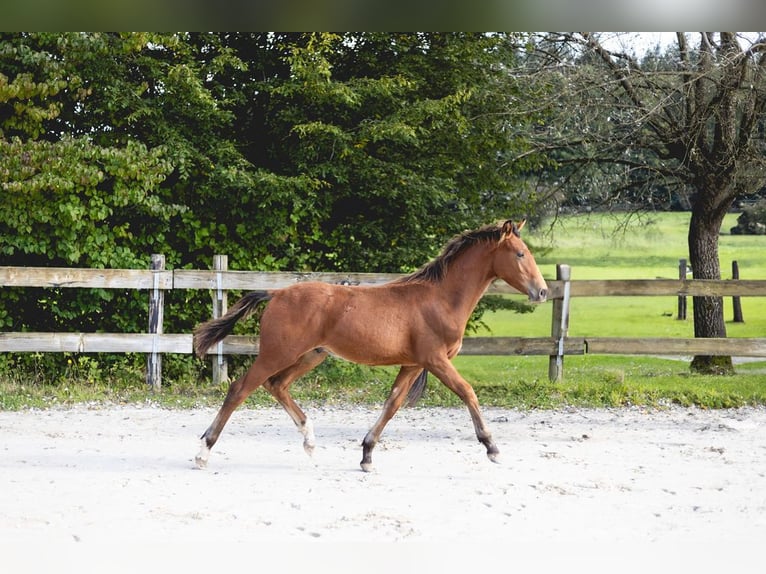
(752, 220)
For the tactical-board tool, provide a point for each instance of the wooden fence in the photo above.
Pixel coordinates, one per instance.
(219, 280)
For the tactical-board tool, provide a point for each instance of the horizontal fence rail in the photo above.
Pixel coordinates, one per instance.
(85, 278)
(680, 287)
(221, 280)
(95, 343)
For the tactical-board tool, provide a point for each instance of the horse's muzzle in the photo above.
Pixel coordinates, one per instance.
(538, 295)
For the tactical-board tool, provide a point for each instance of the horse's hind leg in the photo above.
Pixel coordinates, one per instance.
(278, 385)
(239, 390)
(396, 398)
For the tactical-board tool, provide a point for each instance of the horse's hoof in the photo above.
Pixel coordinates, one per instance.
(493, 453)
(309, 441)
(366, 466)
(204, 453)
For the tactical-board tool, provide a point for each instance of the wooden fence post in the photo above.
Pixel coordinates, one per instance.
(220, 305)
(681, 298)
(735, 300)
(156, 312)
(560, 324)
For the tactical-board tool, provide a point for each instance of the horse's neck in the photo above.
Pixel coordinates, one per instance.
(467, 279)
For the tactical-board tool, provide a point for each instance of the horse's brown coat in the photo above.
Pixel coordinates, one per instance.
(416, 322)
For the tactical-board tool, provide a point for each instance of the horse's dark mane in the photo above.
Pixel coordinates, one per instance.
(434, 270)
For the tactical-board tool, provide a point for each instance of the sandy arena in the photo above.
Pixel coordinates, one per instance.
(117, 484)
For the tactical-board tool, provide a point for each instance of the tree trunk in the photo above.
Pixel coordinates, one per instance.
(708, 311)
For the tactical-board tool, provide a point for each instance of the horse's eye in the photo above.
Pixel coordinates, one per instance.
(520, 254)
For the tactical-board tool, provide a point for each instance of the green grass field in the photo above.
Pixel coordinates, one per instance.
(646, 249)
(597, 247)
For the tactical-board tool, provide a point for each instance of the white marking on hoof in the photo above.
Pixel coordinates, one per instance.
(366, 466)
(309, 440)
(203, 455)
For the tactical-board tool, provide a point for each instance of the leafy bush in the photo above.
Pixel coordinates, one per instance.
(752, 221)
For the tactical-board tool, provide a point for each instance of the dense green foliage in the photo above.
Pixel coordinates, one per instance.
(752, 220)
(361, 152)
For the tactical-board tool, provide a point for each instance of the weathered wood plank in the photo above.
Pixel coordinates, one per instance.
(94, 343)
(253, 280)
(519, 346)
(560, 324)
(248, 345)
(220, 302)
(85, 278)
(243, 344)
(239, 345)
(155, 327)
(659, 287)
(734, 346)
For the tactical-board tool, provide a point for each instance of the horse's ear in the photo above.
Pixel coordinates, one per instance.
(509, 227)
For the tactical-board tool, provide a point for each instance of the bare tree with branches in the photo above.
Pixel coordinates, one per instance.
(689, 120)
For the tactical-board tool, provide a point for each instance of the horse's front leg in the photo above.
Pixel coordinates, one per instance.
(395, 399)
(447, 374)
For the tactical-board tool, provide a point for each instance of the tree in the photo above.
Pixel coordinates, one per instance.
(61, 188)
(689, 120)
(284, 151)
(372, 149)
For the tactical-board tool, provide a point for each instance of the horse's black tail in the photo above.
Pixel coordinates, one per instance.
(209, 333)
(417, 388)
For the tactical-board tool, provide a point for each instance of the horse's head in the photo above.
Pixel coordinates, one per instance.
(515, 265)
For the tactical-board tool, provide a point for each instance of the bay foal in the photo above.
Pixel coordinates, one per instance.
(416, 322)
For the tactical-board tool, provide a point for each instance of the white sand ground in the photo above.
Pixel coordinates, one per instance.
(110, 487)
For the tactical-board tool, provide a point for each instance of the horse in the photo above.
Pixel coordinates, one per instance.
(416, 321)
